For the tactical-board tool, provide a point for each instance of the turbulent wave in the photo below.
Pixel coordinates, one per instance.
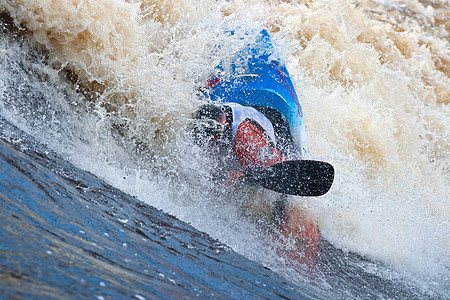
(113, 84)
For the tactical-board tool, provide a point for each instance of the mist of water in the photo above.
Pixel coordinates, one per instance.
(372, 76)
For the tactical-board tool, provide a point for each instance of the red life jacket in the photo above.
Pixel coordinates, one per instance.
(253, 147)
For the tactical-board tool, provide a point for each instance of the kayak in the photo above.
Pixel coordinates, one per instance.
(254, 78)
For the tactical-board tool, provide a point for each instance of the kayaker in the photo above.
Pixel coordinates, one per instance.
(256, 138)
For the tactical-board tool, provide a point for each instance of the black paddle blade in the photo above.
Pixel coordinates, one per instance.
(297, 177)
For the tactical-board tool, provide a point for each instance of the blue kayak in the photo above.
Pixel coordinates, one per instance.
(255, 79)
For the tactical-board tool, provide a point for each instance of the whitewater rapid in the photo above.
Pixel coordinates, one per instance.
(373, 80)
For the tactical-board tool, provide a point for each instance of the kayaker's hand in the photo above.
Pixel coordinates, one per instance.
(233, 177)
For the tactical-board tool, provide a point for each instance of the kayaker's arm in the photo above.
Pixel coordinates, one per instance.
(233, 177)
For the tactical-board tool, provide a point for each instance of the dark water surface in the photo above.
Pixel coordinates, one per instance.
(65, 233)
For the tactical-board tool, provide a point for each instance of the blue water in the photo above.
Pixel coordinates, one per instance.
(65, 233)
